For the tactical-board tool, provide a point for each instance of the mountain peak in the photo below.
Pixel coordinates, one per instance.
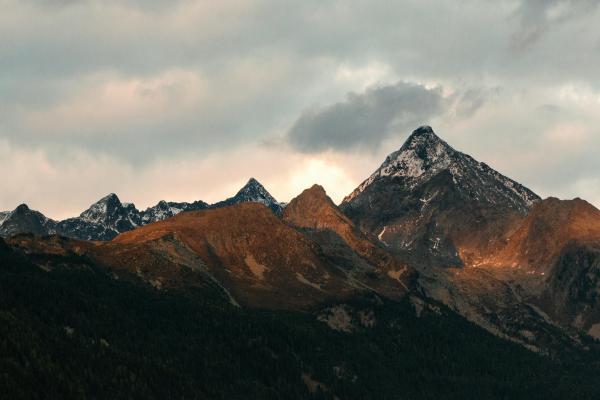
(99, 211)
(253, 182)
(314, 209)
(424, 137)
(425, 155)
(252, 185)
(22, 208)
(25, 220)
(316, 191)
(110, 198)
(422, 152)
(424, 131)
(422, 156)
(252, 191)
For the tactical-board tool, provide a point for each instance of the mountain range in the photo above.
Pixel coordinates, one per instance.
(432, 231)
(108, 217)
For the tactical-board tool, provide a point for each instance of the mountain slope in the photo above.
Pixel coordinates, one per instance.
(103, 220)
(557, 247)
(361, 255)
(253, 254)
(436, 203)
(252, 191)
(548, 228)
(108, 217)
(3, 216)
(22, 219)
(483, 244)
(71, 330)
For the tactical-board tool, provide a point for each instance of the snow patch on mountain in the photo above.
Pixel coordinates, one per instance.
(253, 191)
(424, 155)
(3, 216)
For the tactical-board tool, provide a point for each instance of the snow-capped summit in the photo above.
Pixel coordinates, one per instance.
(103, 211)
(110, 212)
(167, 209)
(253, 191)
(103, 220)
(24, 220)
(424, 155)
(428, 192)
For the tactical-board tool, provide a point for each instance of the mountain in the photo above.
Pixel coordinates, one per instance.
(86, 331)
(404, 273)
(24, 220)
(483, 244)
(557, 247)
(167, 209)
(253, 255)
(108, 217)
(438, 204)
(103, 220)
(253, 191)
(361, 255)
(551, 225)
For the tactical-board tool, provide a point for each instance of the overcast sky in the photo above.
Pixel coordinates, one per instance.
(184, 100)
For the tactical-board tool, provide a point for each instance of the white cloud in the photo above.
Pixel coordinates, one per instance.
(165, 99)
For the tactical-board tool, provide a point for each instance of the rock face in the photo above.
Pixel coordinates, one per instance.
(357, 253)
(108, 217)
(104, 220)
(167, 209)
(550, 226)
(430, 221)
(256, 257)
(252, 191)
(557, 247)
(314, 254)
(483, 244)
(437, 204)
(3, 216)
(24, 220)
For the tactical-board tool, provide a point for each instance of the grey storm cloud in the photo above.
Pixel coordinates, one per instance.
(536, 17)
(367, 118)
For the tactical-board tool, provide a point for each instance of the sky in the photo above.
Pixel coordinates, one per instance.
(184, 100)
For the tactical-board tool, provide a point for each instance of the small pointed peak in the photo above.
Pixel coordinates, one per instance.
(22, 208)
(110, 198)
(253, 188)
(422, 136)
(252, 182)
(316, 190)
(423, 130)
(315, 194)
